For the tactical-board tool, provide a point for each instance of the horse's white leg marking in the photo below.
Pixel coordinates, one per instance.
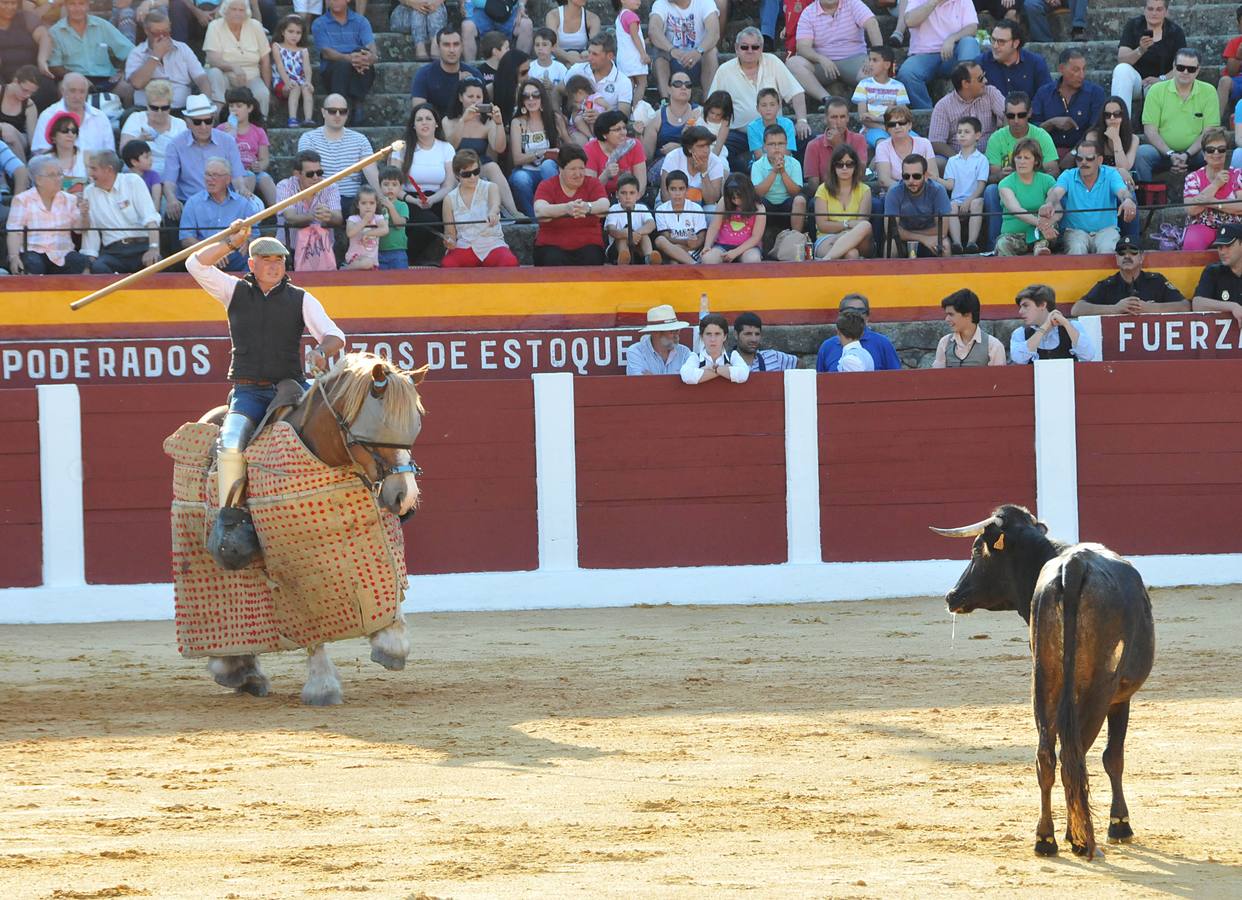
(323, 687)
(390, 646)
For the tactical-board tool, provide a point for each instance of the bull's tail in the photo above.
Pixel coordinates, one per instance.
(1073, 754)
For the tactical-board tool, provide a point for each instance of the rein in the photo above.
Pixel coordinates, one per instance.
(349, 439)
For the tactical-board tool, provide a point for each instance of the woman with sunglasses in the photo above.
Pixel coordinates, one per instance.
(842, 204)
(900, 143)
(474, 124)
(156, 125)
(1113, 132)
(62, 134)
(736, 235)
(1212, 194)
(675, 117)
(1022, 193)
(472, 235)
(536, 133)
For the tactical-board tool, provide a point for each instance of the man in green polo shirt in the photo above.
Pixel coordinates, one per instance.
(1018, 127)
(1174, 116)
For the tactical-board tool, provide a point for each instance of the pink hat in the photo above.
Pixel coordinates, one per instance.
(52, 123)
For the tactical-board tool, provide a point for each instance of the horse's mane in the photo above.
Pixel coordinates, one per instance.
(349, 382)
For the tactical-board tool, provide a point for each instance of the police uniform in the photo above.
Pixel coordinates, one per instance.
(1151, 287)
(1218, 282)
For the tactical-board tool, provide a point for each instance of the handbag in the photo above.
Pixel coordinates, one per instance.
(499, 10)
(313, 250)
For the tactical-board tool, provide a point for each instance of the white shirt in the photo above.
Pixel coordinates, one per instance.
(613, 88)
(855, 358)
(96, 130)
(137, 127)
(1084, 351)
(684, 28)
(966, 173)
(676, 160)
(126, 211)
(681, 225)
(638, 217)
(692, 370)
(555, 72)
(427, 166)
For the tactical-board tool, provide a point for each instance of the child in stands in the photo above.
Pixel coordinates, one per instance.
(364, 230)
(879, 91)
(581, 108)
(245, 123)
(545, 67)
(768, 102)
(395, 211)
(630, 227)
(292, 63)
(137, 156)
(632, 58)
(965, 177)
(492, 46)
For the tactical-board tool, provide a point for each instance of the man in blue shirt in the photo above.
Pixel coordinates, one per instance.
(347, 55)
(187, 155)
(215, 209)
(920, 206)
(880, 347)
(1091, 186)
(436, 82)
(1007, 67)
(1068, 107)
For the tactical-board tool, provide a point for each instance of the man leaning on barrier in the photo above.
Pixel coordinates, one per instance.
(1045, 332)
(659, 352)
(122, 222)
(1131, 291)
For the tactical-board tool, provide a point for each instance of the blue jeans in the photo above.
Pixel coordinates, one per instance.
(393, 259)
(1151, 161)
(921, 68)
(769, 12)
(486, 23)
(524, 181)
(1037, 15)
(251, 400)
(992, 212)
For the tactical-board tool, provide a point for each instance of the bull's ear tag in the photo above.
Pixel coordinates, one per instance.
(1000, 542)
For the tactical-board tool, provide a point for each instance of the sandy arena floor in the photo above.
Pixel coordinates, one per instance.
(828, 750)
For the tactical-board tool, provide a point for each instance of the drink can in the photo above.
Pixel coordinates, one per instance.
(912, 249)
(808, 251)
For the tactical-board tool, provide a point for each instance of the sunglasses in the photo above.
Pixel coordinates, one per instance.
(896, 122)
(750, 46)
(468, 173)
(1016, 115)
(334, 111)
(845, 164)
(151, 107)
(1182, 68)
(313, 173)
(911, 176)
(201, 121)
(1216, 149)
(1114, 115)
(1087, 159)
(69, 130)
(530, 97)
(679, 83)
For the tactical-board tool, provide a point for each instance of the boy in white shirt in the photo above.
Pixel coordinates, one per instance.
(965, 177)
(629, 226)
(854, 357)
(681, 226)
(543, 67)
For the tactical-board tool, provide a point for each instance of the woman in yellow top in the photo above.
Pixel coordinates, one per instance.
(842, 205)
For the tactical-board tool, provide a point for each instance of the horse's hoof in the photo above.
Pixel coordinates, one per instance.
(255, 686)
(1080, 850)
(1120, 833)
(387, 660)
(231, 677)
(329, 697)
(1046, 846)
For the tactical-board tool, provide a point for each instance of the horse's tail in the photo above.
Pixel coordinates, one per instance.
(1073, 754)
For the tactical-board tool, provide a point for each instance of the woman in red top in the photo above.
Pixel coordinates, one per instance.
(613, 152)
(569, 208)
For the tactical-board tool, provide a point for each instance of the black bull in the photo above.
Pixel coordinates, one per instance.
(1092, 642)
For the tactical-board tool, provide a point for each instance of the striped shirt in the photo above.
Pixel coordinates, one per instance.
(773, 361)
(642, 359)
(28, 212)
(837, 34)
(338, 154)
(988, 108)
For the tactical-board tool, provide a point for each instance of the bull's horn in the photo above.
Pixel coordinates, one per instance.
(969, 531)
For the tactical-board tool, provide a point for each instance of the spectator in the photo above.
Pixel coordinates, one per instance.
(748, 328)
(737, 235)
(681, 226)
(1212, 193)
(546, 68)
(188, 153)
(347, 54)
(675, 117)
(238, 54)
(965, 178)
(155, 125)
(215, 208)
(436, 83)
(40, 225)
(493, 46)
(900, 144)
(1174, 116)
(717, 114)
(1007, 65)
(137, 156)
(1221, 282)
(291, 78)
(877, 345)
(24, 41)
(712, 360)
(942, 34)
(421, 20)
(658, 351)
(536, 129)
(632, 57)
(683, 36)
(569, 208)
(161, 59)
(191, 18)
(769, 106)
(1037, 15)
(832, 41)
(842, 204)
(1023, 195)
(339, 148)
(630, 227)
(513, 69)
(1045, 332)
(428, 167)
(16, 177)
(1089, 224)
(324, 208)
(245, 124)
(63, 133)
(472, 234)
(574, 25)
(96, 127)
(475, 22)
(919, 205)
(743, 77)
(612, 89)
(18, 113)
(393, 246)
(966, 344)
(88, 45)
(124, 19)
(122, 223)
(704, 171)
(1068, 107)
(1229, 88)
(1114, 133)
(879, 92)
(1130, 291)
(851, 326)
(613, 153)
(475, 125)
(1000, 156)
(1147, 52)
(971, 96)
(363, 230)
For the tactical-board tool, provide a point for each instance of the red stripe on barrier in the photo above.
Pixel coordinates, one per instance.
(21, 509)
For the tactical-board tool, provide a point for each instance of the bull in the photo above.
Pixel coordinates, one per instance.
(1092, 644)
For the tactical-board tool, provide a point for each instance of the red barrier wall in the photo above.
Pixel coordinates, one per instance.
(1160, 456)
(899, 451)
(21, 512)
(670, 475)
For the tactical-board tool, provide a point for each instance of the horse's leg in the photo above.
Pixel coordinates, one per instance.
(1114, 763)
(241, 673)
(390, 646)
(323, 687)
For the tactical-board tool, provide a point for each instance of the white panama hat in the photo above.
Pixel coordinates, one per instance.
(663, 318)
(199, 106)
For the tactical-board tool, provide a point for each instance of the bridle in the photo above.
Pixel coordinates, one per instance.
(351, 440)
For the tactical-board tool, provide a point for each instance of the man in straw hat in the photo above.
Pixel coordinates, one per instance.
(659, 352)
(267, 317)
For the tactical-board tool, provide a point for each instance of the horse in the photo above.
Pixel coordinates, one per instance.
(365, 414)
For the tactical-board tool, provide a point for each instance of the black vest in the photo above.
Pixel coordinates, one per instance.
(1060, 351)
(266, 332)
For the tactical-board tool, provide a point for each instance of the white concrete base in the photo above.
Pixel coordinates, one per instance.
(580, 588)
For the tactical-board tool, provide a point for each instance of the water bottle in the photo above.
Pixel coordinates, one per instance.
(703, 307)
(233, 121)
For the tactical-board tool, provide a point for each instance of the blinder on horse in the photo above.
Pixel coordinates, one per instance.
(386, 438)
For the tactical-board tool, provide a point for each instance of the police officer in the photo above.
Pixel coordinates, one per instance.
(1220, 285)
(1131, 291)
(267, 317)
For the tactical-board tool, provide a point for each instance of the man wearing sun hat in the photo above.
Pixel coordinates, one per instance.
(267, 318)
(659, 352)
(1220, 286)
(187, 154)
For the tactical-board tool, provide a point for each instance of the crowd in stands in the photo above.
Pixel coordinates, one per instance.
(591, 129)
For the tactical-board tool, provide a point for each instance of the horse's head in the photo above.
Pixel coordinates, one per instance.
(381, 412)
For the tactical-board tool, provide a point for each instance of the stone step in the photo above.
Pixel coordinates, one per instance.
(1103, 54)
